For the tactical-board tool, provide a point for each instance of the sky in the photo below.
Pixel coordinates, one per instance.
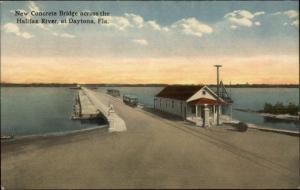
(173, 42)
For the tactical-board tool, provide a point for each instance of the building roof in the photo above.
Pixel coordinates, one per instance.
(131, 96)
(206, 101)
(179, 92)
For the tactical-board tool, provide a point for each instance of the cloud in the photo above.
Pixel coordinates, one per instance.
(47, 27)
(191, 26)
(63, 35)
(140, 42)
(233, 27)
(257, 23)
(32, 6)
(259, 13)
(155, 26)
(135, 20)
(26, 35)
(66, 35)
(64, 24)
(120, 23)
(277, 13)
(243, 18)
(291, 13)
(13, 28)
(246, 14)
(295, 23)
(129, 20)
(241, 21)
(166, 29)
(42, 26)
(188, 26)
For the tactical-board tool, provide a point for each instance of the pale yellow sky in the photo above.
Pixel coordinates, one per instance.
(256, 42)
(271, 69)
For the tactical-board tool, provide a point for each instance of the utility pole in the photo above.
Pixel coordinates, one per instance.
(218, 94)
(230, 103)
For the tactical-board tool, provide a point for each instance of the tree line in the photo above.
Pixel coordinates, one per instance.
(280, 108)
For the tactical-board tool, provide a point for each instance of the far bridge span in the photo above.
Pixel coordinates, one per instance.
(116, 123)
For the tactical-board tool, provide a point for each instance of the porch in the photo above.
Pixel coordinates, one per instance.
(203, 112)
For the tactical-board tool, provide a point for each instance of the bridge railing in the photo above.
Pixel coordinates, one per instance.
(116, 123)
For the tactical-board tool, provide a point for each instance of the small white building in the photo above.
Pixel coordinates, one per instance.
(194, 103)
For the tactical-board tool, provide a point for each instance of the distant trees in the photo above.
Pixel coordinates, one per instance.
(280, 108)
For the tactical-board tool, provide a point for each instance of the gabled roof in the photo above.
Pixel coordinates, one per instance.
(179, 92)
(207, 101)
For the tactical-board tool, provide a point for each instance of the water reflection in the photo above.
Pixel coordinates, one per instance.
(97, 121)
(276, 120)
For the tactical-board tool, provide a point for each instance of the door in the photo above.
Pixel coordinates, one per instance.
(202, 111)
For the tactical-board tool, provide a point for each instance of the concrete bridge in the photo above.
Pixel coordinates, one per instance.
(116, 123)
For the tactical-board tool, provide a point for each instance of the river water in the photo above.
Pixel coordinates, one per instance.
(40, 110)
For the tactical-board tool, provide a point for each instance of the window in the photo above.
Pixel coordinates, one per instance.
(203, 92)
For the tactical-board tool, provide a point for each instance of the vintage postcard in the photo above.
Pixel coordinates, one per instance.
(149, 94)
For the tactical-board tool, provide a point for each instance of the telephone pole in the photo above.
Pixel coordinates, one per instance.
(218, 94)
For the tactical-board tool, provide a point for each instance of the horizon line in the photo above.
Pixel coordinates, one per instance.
(74, 83)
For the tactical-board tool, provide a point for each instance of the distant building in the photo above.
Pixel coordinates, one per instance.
(130, 100)
(194, 103)
(113, 92)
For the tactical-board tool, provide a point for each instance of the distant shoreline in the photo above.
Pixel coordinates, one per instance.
(145, 85)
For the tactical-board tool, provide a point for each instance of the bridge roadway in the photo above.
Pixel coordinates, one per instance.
(116, 123)
(154, 152)
(86, 106)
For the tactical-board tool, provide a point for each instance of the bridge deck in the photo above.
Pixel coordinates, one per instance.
(116, 123)
(87, 108)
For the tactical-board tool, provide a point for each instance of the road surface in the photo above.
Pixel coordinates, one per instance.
(154, 152)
